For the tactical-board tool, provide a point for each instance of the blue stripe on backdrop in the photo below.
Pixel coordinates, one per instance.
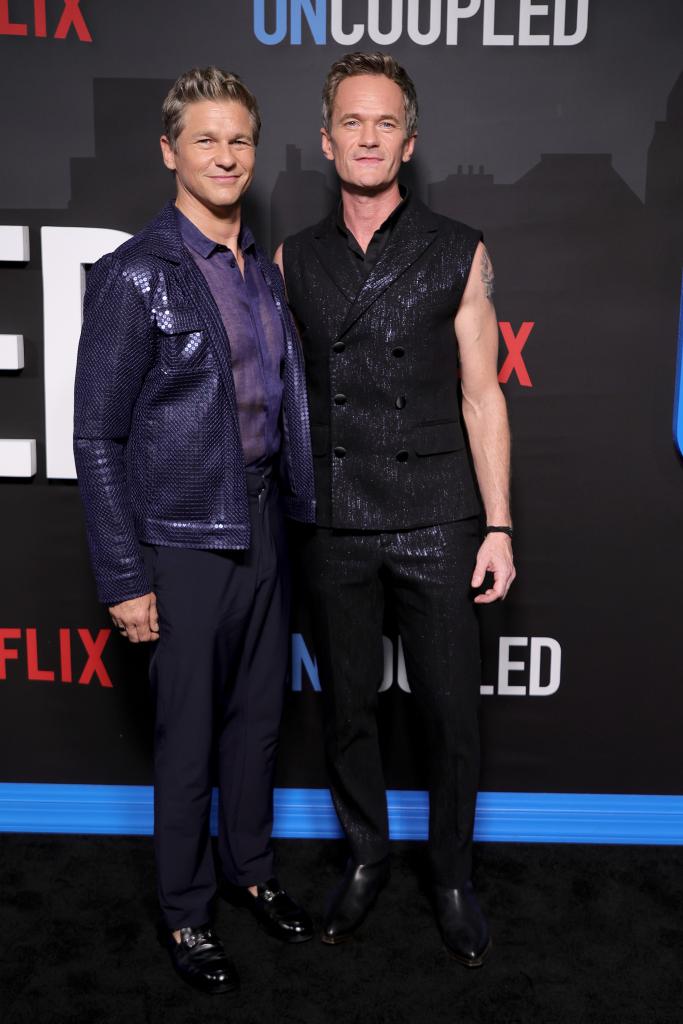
(678, 396)
(309, 814)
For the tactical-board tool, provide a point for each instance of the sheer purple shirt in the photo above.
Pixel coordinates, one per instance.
(255, 337)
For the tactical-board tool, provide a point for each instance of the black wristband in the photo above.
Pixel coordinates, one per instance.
(499, 529)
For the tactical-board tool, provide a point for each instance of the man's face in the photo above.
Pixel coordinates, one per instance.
(367, 135)
(214, 154)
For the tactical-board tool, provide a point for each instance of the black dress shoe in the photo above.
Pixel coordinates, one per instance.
(201, 961)
(275, 910)
(462, 923)
(353, 898)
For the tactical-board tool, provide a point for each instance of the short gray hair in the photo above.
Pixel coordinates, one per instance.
(210, 83)
(352, 64)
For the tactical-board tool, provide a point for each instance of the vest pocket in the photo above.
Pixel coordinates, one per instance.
(438, 438)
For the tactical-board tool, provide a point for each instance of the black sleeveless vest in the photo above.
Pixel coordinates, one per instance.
(382, 373)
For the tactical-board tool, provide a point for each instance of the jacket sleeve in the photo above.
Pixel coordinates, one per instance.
(299, 492)
(114, 356)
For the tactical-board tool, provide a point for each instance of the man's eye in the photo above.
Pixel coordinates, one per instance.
(350, 123)
(386, 124)
(203, 142)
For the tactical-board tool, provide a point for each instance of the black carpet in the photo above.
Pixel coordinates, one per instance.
(582, 935)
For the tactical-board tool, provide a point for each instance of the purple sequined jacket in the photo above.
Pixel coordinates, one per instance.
(156, 434)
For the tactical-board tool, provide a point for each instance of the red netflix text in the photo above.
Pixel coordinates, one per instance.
(514, 361)
(70, 19)
(54, 662)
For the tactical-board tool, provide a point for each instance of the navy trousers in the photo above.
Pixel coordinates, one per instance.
(218, 676)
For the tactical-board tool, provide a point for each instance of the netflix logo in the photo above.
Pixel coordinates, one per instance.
(62, 656)
(64, 17)
(514, 360)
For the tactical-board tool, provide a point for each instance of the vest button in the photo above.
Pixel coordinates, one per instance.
(338, 346)
(399, 352)
(341, 452)
(340, 399)
(402, 456)
(400, 402)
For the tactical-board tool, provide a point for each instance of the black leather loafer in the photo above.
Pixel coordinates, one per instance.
(462, 923)
(201, 961)
(353, 898)
(274, 909)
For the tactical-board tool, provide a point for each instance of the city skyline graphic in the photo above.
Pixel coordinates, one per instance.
(597, 271)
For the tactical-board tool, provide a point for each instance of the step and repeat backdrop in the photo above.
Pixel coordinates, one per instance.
(556, 128)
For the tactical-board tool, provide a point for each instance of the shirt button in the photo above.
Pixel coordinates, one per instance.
(340, 399)
(402, 456)
(399, 352)
(400, 402)
(341, 452)
(338, 346)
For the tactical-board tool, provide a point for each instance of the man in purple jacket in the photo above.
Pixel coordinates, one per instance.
(191, 434)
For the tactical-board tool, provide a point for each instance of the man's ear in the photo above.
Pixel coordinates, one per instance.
(326, 144)
(167, 153)
(408, 148)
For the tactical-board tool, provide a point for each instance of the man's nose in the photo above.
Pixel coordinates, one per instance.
(224, 155)
(368, 135)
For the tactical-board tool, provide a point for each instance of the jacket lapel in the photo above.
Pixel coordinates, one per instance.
(413, 234)
(208, 312)
(163, 239)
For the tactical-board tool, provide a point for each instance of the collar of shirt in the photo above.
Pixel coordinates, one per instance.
(384, 228)
(196, 240)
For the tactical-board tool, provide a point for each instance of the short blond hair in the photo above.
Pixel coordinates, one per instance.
(210, 83)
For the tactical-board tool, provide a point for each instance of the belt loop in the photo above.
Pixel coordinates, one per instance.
(259, 483)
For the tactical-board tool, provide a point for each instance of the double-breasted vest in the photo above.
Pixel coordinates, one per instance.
(382, 373)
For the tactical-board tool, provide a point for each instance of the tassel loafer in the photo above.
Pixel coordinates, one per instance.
(274, 909)
(201, 961)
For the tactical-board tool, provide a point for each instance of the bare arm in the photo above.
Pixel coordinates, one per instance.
(278, 259)
(485, 415)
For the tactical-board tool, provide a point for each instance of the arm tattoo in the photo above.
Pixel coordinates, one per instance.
(487, 276)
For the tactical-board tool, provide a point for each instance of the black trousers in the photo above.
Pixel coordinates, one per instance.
(218, 677)
(427, 574)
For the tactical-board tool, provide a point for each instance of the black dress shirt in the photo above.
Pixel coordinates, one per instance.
(349, 249)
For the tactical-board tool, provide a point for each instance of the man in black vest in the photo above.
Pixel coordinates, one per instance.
(393, 302)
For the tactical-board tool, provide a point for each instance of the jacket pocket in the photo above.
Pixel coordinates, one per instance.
(438, 438)
(183, 343)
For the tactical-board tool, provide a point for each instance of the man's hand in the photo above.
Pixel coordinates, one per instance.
(137, 619)
(495, 555)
